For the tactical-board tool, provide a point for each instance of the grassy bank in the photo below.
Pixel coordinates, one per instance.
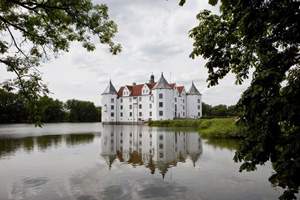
(216, 128)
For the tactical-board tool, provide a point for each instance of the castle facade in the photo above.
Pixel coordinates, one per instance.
(150, 101)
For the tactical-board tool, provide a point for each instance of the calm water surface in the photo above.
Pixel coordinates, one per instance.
(91, 161)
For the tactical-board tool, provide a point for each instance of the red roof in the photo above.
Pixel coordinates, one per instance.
(135, 90)
(180, 88)
(172, 85)
(120, 92)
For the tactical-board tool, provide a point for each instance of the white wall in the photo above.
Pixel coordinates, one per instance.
(194, 107)
(106, 108)
(168, 104)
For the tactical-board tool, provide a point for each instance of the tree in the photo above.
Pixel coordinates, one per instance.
(219, 110)
(12, 108)
(206, 109)
(51, 110)
(264, 36)
(33, 31)
(82, 111)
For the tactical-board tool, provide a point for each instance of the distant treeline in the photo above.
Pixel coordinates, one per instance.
(219, 110)
(15, 109)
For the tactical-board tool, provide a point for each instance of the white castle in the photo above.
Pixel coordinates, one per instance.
(150, 101)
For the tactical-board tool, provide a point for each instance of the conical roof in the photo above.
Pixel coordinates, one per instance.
(110, 89)
(193, 90)
(162, 84)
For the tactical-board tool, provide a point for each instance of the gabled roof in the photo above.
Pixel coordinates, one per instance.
(110, 89)
(162, 84)
(180, 89)
(151, 85)
(172, 85)
(120, 92)
(135, 90)
(193, 90)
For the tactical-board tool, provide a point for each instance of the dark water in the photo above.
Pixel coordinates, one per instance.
(88, 161)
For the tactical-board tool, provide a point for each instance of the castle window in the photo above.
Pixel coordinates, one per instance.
(140, 105)
(198, 100)
(112, 107)
(161, 137)
(175, 99)
(160, 96)
(121, 114)
(146, 91)
(121, 107)
(121, 100)
(140, 114)
(150, 114)
(112, 114)
(161, 146)
(183, 113)
(198, 114)
(198, 106)
(161, 154)
(143, 91)
(130, 114)
(112, 100)
(130, 99)
(183, 107)
(183, 100)
(160, 104)
(161, 113)
(130, 106)
(140, 98)
(150, 105)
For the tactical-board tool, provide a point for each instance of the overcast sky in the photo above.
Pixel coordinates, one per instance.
(154, 38)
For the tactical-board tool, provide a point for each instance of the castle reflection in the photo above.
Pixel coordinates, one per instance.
(154, 148)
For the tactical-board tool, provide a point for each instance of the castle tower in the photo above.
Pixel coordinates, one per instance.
(194, 102)
(163, 100)
(109, 102)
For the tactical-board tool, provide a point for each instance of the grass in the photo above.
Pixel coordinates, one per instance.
(215, 128)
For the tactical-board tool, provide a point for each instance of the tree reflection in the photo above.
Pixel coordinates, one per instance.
(156, 150)
(79, 139)
(42, 143)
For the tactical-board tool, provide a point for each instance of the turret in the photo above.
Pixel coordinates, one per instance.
(151, 79)
(163, 100)
(194, 102)
(109, 105)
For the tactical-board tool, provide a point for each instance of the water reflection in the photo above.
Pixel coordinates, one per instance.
(9, 146)
(156, 150)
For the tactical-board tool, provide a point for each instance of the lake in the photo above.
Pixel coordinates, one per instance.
(91, 161)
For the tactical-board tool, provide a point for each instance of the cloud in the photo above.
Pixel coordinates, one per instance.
(154, 39)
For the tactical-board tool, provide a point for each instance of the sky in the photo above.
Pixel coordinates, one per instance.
(154, 39)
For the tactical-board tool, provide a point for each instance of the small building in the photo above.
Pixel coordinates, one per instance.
(150, 101)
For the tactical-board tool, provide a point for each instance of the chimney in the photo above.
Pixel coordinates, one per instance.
(133, 84)
(151, 79)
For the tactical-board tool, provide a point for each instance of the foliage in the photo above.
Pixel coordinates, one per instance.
(34, 31)
(51, 110)
(206, 109)
(176, 123)
(12, 108)
(264, 36)
(82, 111)
(215, 128)
(220, 110)
(221, 128)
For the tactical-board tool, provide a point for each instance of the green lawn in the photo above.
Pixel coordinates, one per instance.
(216, 128)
